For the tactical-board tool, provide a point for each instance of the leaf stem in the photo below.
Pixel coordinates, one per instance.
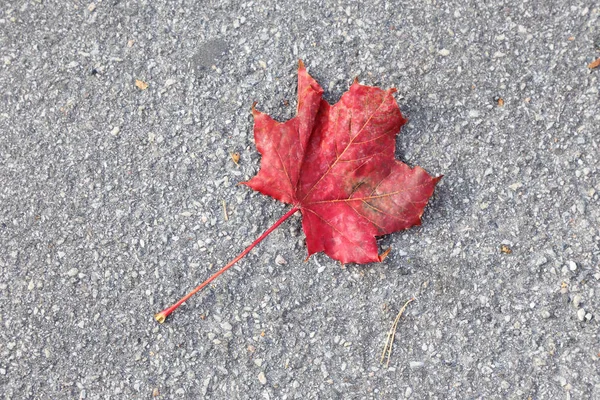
(161, 316)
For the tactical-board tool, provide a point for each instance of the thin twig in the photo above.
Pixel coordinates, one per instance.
(225, 211)
(389, 343)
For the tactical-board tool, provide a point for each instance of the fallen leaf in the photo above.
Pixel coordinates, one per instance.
(155, 392)
(594, 64)
(336, 164)
(505, 249)
(235, 157)
(141, 84)
(130, 43)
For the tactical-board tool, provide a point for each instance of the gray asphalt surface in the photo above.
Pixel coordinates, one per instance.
(111, 202)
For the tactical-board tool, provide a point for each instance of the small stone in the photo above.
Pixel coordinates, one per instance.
(262, 378)
(180, 392)
(115, 131)
(205, 385)
(226, 326)
(545, 314)
(538, 362)
(31, 285)
(474, 114)
(444, 52)
(486, 370)
(280, 260)
(416, 364)
(540, 261)
(581, 314)
(73, 272)
(572, 266)
(516, 186)
(91, 7)
(258, 362)
(576, 300)
(588, 316)
(408, 392)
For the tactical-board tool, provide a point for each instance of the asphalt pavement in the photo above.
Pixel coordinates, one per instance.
(118, 194)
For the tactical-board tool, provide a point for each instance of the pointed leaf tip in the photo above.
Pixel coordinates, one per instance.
(301, 64)
(384, 255)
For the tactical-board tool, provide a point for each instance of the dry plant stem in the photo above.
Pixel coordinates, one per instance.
(161, 316)
(225, 211)
(389, 343)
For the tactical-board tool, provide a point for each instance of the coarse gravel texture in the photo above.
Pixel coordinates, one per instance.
(111, 202)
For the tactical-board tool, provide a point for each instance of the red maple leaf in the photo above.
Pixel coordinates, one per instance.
(336, 165)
